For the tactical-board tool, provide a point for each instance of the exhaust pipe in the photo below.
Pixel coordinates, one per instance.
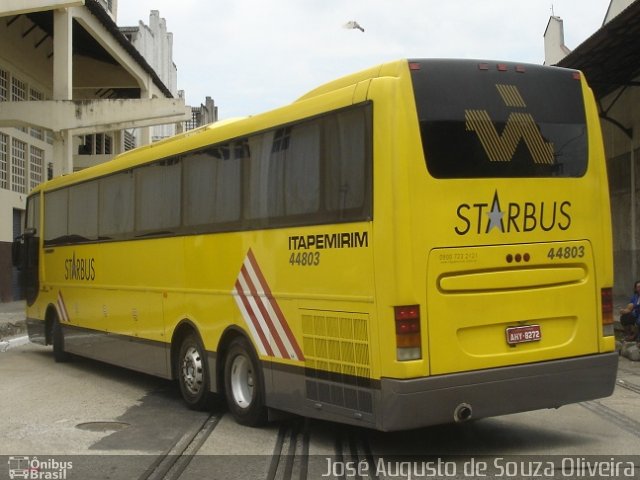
(462, 413)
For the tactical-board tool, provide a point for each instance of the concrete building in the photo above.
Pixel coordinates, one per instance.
(206, 113)
(610, 59)
(71, 86)
(155, 44)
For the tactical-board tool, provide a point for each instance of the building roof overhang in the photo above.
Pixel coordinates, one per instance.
(84, 44)
(610, 58)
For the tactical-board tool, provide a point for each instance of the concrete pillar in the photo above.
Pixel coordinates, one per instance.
(63, 152)
(118, 141)
(145, 132)
(63, 81)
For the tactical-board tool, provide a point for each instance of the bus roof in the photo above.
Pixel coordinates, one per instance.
(218, 131)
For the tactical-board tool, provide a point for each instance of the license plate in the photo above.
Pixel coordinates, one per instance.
(524, 334)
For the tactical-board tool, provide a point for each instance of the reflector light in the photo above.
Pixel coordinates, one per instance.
(483, 66)
(414, 66)
(502, 67)
(607, 309)
(408, 339)
(520, 69)
(518, 258)
(576, 75)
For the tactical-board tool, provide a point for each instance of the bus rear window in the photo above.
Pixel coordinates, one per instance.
(487, 120)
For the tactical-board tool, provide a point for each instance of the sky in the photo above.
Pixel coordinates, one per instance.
(251, 56)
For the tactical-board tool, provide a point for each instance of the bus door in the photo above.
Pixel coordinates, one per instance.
(26, 250)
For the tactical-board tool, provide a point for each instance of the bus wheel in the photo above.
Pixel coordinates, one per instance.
(244, 387)
(193, 373)
(57, 339)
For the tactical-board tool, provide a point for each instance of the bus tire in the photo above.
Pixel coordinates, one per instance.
(57, 340)
(244, 385)
(193, 373)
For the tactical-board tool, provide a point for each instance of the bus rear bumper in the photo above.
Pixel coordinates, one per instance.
(407, 404)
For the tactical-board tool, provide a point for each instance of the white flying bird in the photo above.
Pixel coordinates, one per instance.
(353, 25)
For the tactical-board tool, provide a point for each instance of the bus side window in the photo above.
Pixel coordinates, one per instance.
(158, 198)
(346, 153)
(212, 187)
(302, 170)
(83, 212)
(56, 216)
(116, 206)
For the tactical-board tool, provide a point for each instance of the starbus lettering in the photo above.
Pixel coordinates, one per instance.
(483, 218)
(80, 268)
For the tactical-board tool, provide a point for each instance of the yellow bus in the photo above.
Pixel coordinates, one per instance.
(423, 242)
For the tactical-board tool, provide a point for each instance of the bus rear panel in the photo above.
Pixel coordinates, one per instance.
(510, 241)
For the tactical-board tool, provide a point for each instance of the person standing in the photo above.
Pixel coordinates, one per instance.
(630, 315)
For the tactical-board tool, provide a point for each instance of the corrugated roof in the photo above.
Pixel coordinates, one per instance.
(610, 58)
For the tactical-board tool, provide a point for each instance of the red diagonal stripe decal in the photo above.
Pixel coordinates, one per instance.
(263, 315)
(252, 318)
(263, 311)
(276, 308)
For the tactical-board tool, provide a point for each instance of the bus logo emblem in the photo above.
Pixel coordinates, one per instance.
(519, 126)
(495, 215)
(260, 310)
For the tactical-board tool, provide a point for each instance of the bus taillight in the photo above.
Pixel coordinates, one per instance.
(607, 311)
(408, 341)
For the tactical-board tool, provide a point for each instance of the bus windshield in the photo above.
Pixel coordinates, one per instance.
(486, 120)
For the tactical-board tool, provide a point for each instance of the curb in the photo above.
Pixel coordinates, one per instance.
(11, 328)
(10, 343)
(630, 350)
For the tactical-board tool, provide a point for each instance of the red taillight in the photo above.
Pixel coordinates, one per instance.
(404, 327)
(606, 295)
(576, 75)
(407, 312)
(414, 66)
(502, 67)
(408, 340)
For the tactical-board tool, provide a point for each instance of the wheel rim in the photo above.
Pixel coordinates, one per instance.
(192, 370)
(242, 381)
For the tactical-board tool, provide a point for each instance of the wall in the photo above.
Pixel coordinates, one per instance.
(8, 201)
(623, 165)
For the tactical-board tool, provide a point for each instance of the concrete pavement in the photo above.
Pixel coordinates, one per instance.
(13, 328)
(12, 319)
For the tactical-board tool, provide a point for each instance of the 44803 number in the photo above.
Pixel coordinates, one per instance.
(304, 259)
(565, 253)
